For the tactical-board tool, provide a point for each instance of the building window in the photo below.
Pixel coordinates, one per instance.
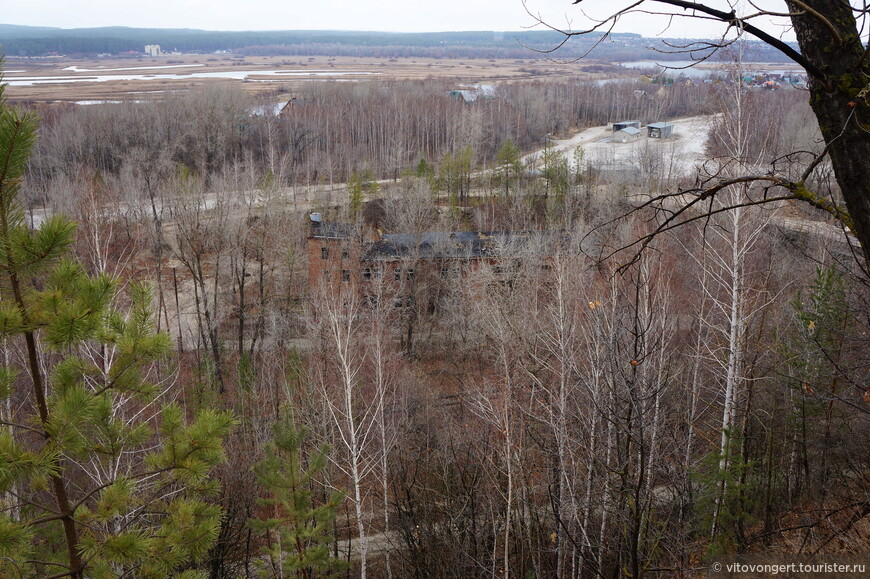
(397, 274)
(345, 275)
(367, 274)
(325, 274)
(344, 253)
(409, 273)
(324, 253)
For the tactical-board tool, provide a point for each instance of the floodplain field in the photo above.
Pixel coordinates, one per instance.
(139, 78)
(91, 80)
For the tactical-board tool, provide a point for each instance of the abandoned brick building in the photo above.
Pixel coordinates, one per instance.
(396, 264)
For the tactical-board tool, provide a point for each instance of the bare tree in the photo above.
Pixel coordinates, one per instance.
(352, 376)
(833, 48)
(199, 243)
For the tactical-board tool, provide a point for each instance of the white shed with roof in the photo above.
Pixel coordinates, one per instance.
(627, 135)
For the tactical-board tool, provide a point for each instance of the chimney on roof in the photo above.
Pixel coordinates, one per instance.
(314, 224)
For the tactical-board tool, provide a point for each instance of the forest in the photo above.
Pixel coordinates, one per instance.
(34, 41)
(186, 393)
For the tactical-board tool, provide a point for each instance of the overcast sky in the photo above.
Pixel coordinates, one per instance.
(381, 15)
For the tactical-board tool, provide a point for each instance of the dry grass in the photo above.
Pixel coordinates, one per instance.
(462, 70)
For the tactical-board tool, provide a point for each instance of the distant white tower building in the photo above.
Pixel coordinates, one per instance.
(153, 50)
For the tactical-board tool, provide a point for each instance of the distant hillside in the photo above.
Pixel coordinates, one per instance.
(41, 41)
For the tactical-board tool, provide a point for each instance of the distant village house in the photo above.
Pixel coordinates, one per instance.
(470, 95)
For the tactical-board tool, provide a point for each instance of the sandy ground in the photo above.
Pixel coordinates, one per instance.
(687, 140)
(685, 147)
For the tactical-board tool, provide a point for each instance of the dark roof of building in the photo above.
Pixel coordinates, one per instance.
(429, 245)
(659, 125)
(321, 230)
(445, 244)
(631, 130)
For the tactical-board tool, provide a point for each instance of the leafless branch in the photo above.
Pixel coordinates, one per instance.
(702, 11)
(797, 191)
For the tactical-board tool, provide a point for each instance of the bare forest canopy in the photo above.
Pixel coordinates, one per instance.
(28, 41)
(334, 129)
(523, 408)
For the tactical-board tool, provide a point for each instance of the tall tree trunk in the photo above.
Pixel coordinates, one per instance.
(832, 44)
